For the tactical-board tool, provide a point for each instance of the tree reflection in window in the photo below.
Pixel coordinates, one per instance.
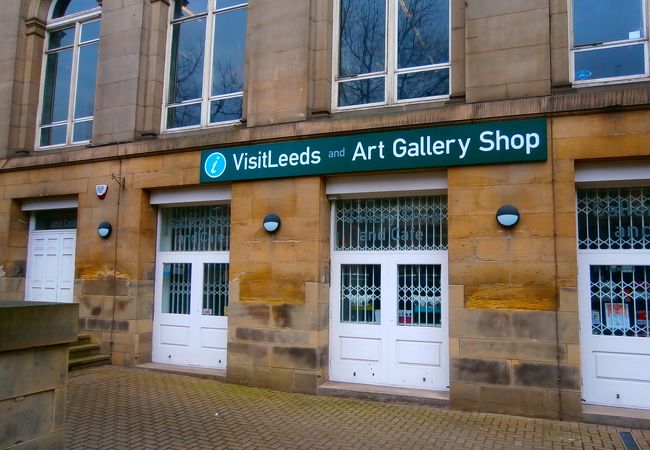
(68, 91)
(206, 87)
(392, 50)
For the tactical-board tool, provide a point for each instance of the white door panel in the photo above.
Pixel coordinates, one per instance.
(186, 333)
(50, 266)
(615, 350)
(395, 345)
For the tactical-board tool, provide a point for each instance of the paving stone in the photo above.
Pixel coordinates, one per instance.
(120, 408)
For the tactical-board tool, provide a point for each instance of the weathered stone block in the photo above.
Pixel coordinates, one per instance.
(546, 375)
(538, 325)
(248, 314)
(31, 370)
(477, 323)
(512, 400)
(509, 297)
(300, 317)
(306, 382)
(247, 354)
(568, 327)
(26, 418)
(500, 349)
(295, 357)
(480, 371)
(287, 336)
(49, 324)
(568, 404)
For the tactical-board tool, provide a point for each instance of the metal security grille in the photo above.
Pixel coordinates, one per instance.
(195, 229)
(360, 293)
(418, 295)
(177, 287)
(620, 297)
(614, 218)
(215, 289)
(402, 223)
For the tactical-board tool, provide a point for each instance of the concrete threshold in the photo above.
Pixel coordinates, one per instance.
(615, 416)
(190, 371)
(439, 399)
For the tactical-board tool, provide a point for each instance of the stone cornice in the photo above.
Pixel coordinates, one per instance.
(36, 26)
(571, 101)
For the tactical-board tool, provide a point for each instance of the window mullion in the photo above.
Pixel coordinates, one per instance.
(207, 65)
(390, 51)
(72, 98)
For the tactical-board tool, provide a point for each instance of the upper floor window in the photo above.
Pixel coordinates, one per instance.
(68, 93)
(391, 51)
(610, 40)
(205, 81)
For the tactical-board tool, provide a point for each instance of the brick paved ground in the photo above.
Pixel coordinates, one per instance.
(118, 408)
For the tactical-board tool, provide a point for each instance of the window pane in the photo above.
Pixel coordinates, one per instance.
(610, 62)
(55, 219)
(177, 287)
(600, 21)
(56, 90)
(423, 84)
(419, 296)
(187, 8)
(53, 135)
(215, 289)
(228, 3)
(187, 55)
(361, 92)
(82, 131)
(86, 79)
(228, 56)
(184, 116)
(61, 38)
(363, 29)
(423, 35)
(66, 7)
(620, 299)
(90, 31)
(195, 229)
(361, 293)
(226, 110)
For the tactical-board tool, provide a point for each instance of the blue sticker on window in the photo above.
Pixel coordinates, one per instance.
(583, 74)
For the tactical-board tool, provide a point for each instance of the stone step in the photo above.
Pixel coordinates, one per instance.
(81, 350)
(82, 338)
(88, 361)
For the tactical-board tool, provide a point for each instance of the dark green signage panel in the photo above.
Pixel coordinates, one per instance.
(457, 145)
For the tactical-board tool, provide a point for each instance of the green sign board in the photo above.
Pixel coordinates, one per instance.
(457, 145)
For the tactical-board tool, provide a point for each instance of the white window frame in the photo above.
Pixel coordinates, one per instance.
(573, 50)
(83, 17)
(390, 71)
(206, 96)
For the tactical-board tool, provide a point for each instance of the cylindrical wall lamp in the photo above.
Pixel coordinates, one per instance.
(271, 223)
(507, 216)
(104, 230)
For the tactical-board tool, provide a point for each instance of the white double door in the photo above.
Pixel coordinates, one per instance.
(614, 297)
(389, 319)
(50, 266)
(190, 318)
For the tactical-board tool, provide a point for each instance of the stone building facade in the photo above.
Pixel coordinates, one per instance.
(518, 328)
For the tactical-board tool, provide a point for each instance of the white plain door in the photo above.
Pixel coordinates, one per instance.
(389, 319)
(50, 266)
(188, 329)
(615, 350)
